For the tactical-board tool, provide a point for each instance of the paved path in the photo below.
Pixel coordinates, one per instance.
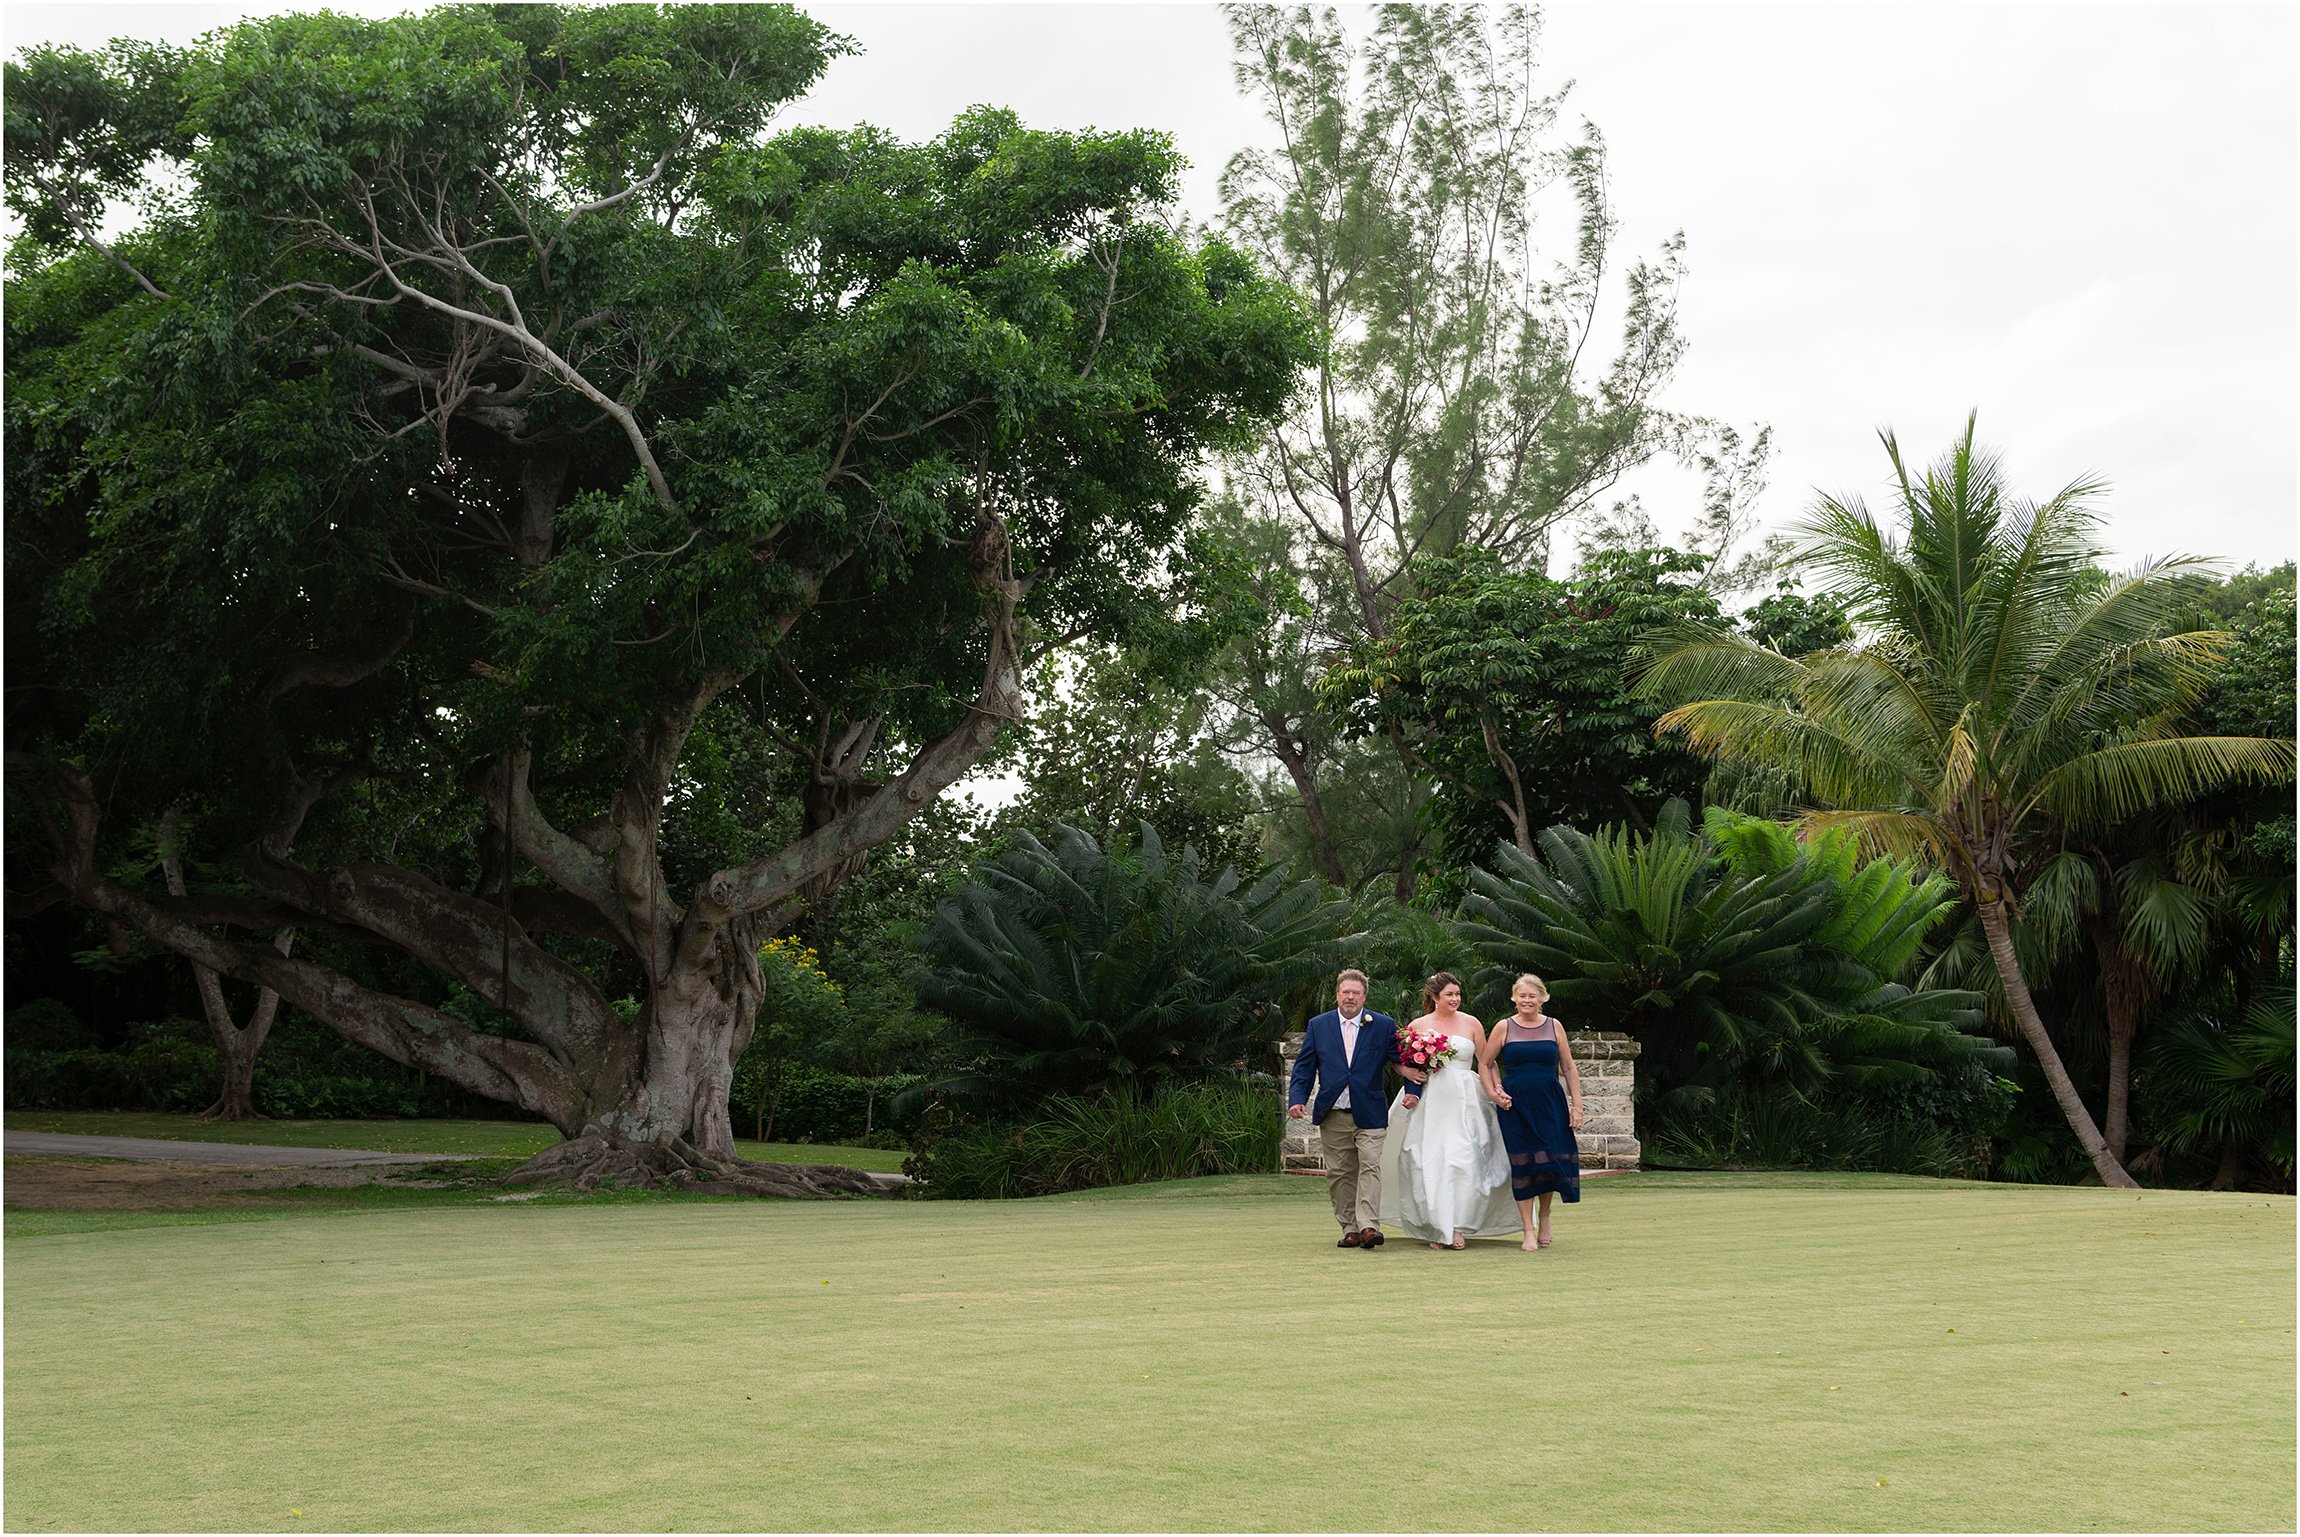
(55, 1144)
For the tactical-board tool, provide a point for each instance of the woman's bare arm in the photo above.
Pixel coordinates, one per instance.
(1572, 1078)
(1488, 1063)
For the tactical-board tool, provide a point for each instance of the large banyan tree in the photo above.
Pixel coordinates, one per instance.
(533, 527)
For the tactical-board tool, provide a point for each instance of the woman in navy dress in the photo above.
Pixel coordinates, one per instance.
(1529, 1072)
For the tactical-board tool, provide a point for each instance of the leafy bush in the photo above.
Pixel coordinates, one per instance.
(809, 1104)
(46, 1024)
(1407, 946)
(1227, 1126)
(305, 1071)
(164, 1067)
(1736, 956)
(1074, 969)
(1945, 1126)
(2225, 1088)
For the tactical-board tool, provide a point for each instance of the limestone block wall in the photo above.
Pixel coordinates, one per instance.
(1608, 1063)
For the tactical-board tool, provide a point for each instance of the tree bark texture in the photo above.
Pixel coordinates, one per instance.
(1295, 756)
(2125, 992)
(2231, 1167)
(641, 1102)
(237, 1045)
(1997, 925)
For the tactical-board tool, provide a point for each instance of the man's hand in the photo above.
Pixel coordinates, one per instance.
(1413, 1075)
(1410, 1101)
(1296, 1112)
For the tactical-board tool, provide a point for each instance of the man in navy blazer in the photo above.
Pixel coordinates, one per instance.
(1344, 1050)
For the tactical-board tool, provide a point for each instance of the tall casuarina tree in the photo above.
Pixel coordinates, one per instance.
(1462, 398)
(2001, 694)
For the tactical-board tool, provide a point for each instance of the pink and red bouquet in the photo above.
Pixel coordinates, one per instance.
(1424, 1046)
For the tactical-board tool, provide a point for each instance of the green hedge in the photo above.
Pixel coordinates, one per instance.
(1946, 1129)
(307, 1071)
(304, 1072)
(1229, 1126)
(807, 1104)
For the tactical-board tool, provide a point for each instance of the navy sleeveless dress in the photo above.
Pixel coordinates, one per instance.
(1544, 1155)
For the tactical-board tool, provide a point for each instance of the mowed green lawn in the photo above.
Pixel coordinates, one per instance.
(1698, 1352)
(485, 1139)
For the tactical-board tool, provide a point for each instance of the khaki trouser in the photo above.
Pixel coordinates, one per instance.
(1353, 1169)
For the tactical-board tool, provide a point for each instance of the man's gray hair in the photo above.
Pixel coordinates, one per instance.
(1352, 975)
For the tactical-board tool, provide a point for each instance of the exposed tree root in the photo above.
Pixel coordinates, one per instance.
(596, 1162)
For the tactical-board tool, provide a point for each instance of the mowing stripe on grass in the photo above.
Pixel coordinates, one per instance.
(1698, 1352)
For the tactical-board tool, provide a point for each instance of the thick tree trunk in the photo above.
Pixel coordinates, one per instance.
(1996, 923)
(236, 1048)
(667, 1123)
(2231, 1166)
(236, 1044)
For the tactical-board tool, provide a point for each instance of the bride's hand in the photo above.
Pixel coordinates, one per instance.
(1501, 1099)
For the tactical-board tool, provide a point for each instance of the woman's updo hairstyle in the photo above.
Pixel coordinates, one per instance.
(1435, 986)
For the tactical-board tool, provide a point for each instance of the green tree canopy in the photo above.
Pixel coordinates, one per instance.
(492, 425)
(1452, 232)
(1509, 689)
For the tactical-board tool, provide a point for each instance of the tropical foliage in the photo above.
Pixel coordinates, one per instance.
(2224, 1087)
(1733, 955)
(1463, 398)
(1507, 690)
(2001, 694)
(494, 426)
(1072, 1142)
(515, 559)
(1074, 967)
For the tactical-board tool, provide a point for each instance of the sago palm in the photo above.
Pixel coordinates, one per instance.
(1729, 957)
(1999, 695)
(1075, 968)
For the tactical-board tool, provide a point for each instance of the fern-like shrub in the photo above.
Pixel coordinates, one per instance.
(1075, 969)
(1741, 959)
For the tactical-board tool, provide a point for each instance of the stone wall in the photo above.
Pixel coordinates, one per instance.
(1608, 1063)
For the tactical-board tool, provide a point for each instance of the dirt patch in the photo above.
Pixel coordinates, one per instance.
(104, 1184)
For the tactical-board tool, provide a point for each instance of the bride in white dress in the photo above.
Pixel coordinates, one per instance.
(1445, 1173)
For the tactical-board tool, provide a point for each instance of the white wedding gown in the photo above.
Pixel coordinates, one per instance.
(1444, 1169)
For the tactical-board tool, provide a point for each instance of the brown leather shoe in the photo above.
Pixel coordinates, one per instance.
(1350, 1240)
(1370, 1238)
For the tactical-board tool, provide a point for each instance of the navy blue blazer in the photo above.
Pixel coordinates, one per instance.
(1323, 1059)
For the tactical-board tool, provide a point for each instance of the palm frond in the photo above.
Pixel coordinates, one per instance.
(2110, 784)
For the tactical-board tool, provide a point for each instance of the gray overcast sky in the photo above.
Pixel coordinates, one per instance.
(2080, 219)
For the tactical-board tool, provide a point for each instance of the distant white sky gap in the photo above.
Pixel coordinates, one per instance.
(2081, 219)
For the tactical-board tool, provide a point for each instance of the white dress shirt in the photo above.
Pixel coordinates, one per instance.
(1350, 1026)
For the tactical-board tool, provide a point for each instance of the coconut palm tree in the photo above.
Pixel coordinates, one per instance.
(2000, 694)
